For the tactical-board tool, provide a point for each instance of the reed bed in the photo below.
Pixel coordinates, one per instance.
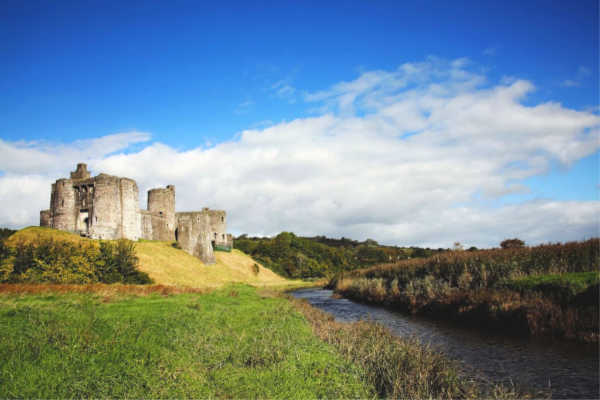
(549, 290)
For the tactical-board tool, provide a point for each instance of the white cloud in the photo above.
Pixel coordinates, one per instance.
(243, 107)
(284, 90)
(580, 76)
(399, 156)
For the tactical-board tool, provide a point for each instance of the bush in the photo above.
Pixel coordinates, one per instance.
(55, 261)
(512, 243)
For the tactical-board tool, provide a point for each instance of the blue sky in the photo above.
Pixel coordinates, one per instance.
(193, 76)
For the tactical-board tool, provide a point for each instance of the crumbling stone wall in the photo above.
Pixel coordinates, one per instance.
(217, 226)
(106, 207)
(45, 218)
(193, 235)
(146, 224)
(130, 209)
(80, 172)
(161, 205)
(62, 204)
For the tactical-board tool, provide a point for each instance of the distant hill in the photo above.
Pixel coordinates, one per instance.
(168, 265)
(312, 257)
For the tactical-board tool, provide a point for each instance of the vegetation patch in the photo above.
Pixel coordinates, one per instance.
(229, 343)
(316, 257)
(577, 288)
(49, 260)
(163, 263)
(542, 290)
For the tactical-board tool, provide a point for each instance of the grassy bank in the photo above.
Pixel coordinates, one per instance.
(545, 290)
(398, 367)
(153, 341)
(160, 261)
(157, 342)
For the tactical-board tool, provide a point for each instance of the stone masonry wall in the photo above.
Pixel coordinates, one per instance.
(161, 203)
(217, 226)
(106, 207)
(130, 209)
(106, 218)
(63, 205)
(193, 235)
(146, 224)
(46, 218)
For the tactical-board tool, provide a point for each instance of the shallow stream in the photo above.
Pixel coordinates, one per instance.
(566, 370)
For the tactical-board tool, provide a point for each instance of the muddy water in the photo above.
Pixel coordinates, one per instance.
(566, 370)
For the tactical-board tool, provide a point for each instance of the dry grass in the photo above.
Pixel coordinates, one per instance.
(167, 265)
(498, 309)
(101, 289)
(32, 233)
(170, 266)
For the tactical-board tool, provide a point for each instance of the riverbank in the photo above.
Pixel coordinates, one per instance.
(549, 290)
(543, 367)
(399, 367)
(235, 342)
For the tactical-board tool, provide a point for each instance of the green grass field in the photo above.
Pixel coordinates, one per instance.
(232, 342)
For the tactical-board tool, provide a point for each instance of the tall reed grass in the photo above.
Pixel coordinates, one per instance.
(543, 290)
(398, 368)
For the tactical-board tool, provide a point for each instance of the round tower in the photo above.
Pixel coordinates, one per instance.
(162, 202)
(63, 205)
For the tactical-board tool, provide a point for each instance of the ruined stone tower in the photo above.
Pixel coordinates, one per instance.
(158, 221)
(106, 207)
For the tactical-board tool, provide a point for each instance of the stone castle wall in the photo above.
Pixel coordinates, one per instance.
(46, 218)
(106, 207)
(161, 204)
(130, 209)
(193, 235)
(63, 205)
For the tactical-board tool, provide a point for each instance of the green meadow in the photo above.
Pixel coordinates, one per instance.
(229, 343)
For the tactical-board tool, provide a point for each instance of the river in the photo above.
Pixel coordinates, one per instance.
(566, 370)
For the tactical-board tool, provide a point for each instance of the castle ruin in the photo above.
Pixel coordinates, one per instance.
(107, 207)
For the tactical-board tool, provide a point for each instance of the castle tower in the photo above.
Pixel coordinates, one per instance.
(161, 202)
(115, 212)
(62, 204)
(81, 172)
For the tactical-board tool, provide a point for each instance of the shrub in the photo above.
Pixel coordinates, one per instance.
(512, 243)
(55, 261)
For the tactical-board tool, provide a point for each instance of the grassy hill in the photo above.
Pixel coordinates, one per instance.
(167, 265)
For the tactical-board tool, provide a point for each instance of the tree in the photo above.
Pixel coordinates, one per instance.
(512, 243)
(458, 246)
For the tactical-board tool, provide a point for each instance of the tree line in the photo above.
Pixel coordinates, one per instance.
(314, 257)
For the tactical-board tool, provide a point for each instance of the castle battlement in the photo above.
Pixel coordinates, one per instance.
(107, 207)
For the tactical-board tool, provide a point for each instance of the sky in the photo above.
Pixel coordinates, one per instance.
(412, 123)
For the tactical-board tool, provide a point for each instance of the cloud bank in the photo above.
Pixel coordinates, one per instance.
(402, 156)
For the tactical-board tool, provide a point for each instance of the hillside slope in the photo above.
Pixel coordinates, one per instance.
(167, 265)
